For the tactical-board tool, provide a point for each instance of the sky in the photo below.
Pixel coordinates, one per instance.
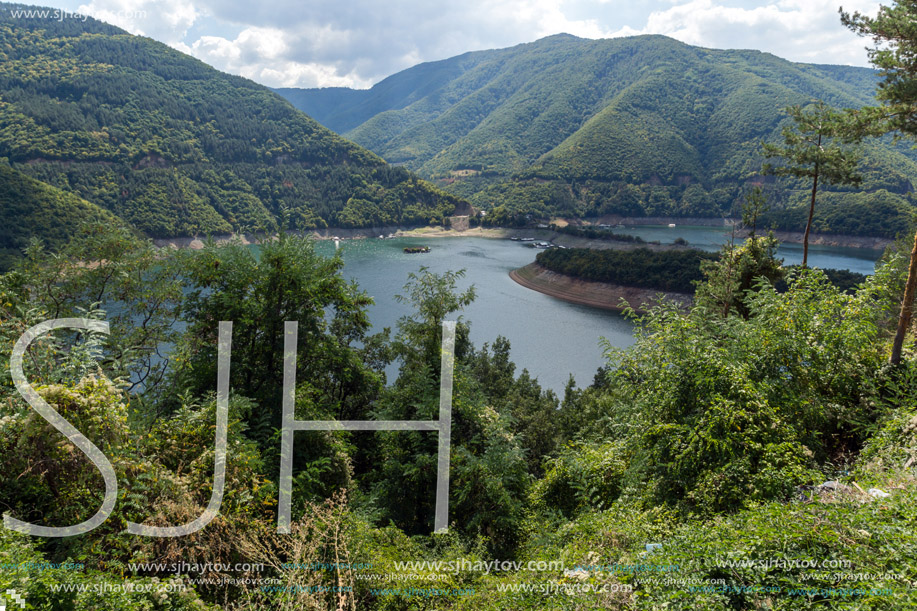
(356, 43)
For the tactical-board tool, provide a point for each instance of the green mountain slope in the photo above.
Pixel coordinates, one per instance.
(342, 109)
(177, 148)
(643, 125)
(32, 209)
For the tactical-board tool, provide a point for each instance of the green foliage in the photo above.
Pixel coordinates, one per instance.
(540, 423)
(718, 415)
(894, 442)
(749, 553)
(846, 281)
(503, 426)
(600, 234)
(488, 475)
(666, 270)
(894, 57)
(770, 556)
(879, 213)
(33, 210)
(695, 438)
(639, 126)
(810, 149)
(56, 484)
(339, 364)
(258, 290)
(53, 586)
(728, 280)
(103, 271)
(176, 148)
(584, 476)
(433, 297)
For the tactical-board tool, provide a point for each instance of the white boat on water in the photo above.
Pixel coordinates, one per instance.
(671, 224)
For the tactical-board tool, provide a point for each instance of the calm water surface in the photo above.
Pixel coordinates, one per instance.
(549, 337)
(859, 260)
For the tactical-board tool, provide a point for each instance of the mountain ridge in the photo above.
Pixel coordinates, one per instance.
(177, 148)
(644, 125)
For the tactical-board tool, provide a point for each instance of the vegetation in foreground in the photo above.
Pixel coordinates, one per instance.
(707, 440)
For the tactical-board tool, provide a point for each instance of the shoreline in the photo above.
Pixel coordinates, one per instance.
(864, 242)
(330, 233)
(793, 237)
(601, 295)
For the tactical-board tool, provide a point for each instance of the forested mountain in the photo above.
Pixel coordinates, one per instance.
(176, 147)
(636, 126)
(343, 109)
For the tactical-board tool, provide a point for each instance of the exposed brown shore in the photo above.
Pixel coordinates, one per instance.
(360, 233)
(594, 294)
(540, 234)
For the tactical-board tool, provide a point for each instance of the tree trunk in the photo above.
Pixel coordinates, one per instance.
(904, 319)
(805, 238)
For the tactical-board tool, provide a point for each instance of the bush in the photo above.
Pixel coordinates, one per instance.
(719, 414)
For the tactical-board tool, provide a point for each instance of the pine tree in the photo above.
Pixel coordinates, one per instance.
(894, 33)
(811, 149)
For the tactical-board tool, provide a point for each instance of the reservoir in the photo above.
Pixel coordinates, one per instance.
(550, 338)
(711, 239)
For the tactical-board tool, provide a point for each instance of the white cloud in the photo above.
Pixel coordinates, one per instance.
(358, 42)
(361, 41)
(260, 54)
(263, 55)
(798, 30)
(165, 20)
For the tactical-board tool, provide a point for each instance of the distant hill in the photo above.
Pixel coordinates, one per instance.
(633, 126)
(178, 148)
(343, 109)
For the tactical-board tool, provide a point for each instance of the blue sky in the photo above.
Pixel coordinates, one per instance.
(355, 43)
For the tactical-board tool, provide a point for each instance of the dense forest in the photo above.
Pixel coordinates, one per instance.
(677, 270)
(176, 148)
(33, 210)
(666, 270)
(639, 126)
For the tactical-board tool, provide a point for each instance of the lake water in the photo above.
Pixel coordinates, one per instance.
(858, 260)
(549, 337)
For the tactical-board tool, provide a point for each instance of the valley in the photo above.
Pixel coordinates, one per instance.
(550, 322)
